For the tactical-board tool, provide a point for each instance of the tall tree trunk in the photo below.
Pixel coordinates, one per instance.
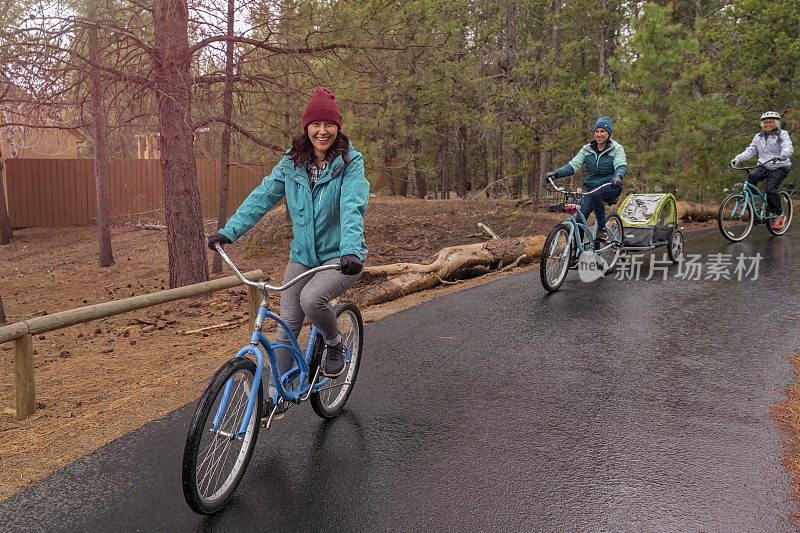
(401, 181)
(106, 255)
(173, 84)
(461, 162)
(544, 154)
(516, 187)
(499, 162)
(443, 162)
(420, 186)
(485, 156)
(5, 221)
(225, 149)
(534, 185)
(602, 39)
(388, 169)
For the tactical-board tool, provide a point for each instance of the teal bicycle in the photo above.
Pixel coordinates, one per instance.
(224, 429)
(740, 211)
(567, 241)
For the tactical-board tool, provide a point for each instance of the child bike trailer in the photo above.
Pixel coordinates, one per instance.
(650, 221)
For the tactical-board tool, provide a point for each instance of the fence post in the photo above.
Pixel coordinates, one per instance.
(23, 366)
(253, 301)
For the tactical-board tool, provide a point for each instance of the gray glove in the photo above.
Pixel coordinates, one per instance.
(616, 181)
(783, 157)
(551, 175)
(734, 162)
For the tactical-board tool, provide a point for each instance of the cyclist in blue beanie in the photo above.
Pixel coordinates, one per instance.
(605, 163)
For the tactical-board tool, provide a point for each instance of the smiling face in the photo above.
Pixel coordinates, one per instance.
(322, 135)
(601, 136)
(769, 124)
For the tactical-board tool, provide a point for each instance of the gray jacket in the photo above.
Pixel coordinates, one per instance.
(775, 144)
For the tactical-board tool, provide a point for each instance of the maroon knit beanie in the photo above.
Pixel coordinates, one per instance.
(322, 106)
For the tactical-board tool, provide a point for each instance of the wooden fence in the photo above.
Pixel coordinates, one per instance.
(21, 333)
(61, 192)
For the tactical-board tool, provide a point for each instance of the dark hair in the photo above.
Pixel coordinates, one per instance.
(302, 151)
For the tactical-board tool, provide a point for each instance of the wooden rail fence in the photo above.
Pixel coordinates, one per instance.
(61, 192)
(21, 333)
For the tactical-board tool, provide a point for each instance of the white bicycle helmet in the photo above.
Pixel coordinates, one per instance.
(771, 114)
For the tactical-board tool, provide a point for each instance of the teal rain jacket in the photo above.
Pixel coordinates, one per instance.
(600, 167)
(327, 222)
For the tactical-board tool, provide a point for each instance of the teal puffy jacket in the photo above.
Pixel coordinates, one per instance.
(600, 167)
(327, 222)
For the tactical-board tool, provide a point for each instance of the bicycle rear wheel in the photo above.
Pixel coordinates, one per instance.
(735, 218)
(788, 210)
(215, 458)
(328, 401)
(555, 256)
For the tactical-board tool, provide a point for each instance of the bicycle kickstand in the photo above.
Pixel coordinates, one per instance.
(269, 420)
(313, 381)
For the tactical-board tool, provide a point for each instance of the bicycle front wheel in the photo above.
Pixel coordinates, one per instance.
(328, 401)
(554, 260)
(735, 218)
(788, 210)
(216, 456)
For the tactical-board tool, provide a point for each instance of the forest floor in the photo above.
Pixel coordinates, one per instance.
(100, 380)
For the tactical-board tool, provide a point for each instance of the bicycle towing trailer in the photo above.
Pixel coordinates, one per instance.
(650, 221)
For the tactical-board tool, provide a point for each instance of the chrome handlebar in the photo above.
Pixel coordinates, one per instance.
(564, 191)
(263, 286)
(773, 160)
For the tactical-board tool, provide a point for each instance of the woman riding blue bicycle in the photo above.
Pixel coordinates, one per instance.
(605, 163)
(322, 178)
(771, 143)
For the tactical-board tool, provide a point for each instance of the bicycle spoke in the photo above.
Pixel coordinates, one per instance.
(218, 460)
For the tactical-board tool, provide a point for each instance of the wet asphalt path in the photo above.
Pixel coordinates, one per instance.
(612, 406)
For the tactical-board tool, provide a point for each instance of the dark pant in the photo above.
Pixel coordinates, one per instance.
(596, 203)
(773, 179)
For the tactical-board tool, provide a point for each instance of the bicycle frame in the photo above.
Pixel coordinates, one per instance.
(750, 192)
(578, 222)
(257, 338)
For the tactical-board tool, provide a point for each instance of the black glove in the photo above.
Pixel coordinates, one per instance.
(351, 265)
(551, 175)
(217, 238)
(616, 181)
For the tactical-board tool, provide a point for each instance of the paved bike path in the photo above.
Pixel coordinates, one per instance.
(616, 406)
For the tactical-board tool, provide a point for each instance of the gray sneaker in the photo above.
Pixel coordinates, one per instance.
(334, 361)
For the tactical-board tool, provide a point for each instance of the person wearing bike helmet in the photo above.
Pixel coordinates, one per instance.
(770, 144)
(605, 162)
(322, 179)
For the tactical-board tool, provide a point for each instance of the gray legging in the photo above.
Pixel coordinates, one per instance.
(310, 297)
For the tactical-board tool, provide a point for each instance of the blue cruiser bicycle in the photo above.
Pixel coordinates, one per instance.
(739, 211)
(225, 426)
(568, 240)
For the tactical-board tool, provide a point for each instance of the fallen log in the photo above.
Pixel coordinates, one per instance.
(696, 211)
(385, 283)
